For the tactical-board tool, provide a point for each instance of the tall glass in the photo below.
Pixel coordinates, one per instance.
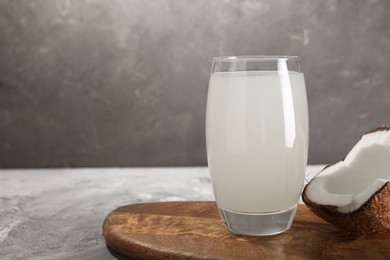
(257, 141)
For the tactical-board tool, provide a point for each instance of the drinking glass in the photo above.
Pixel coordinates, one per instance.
(257, 141)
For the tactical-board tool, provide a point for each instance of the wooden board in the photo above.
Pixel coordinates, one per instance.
(194, 230)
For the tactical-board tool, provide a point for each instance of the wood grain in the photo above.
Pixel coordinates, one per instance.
(194, 230)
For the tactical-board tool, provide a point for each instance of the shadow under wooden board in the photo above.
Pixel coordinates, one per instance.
(194, 230)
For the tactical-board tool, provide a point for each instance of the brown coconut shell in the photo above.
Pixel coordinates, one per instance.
(372, 217)
(380, 128)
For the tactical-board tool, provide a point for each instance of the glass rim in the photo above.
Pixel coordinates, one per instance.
(257, 58)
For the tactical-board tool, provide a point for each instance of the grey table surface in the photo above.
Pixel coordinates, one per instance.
(58, 213)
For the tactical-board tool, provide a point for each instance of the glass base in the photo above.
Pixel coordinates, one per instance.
(258, 224)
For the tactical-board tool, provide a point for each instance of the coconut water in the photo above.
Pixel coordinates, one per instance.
(257, 139)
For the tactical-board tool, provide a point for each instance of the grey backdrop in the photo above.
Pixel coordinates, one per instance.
(124, 82)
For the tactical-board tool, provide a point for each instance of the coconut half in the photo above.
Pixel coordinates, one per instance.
(354, 194)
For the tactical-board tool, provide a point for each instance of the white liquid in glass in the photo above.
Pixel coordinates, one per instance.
(257, 139)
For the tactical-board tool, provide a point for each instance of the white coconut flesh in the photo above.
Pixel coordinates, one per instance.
(348, 184)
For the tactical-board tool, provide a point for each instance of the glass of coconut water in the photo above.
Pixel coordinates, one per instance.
(257, 141)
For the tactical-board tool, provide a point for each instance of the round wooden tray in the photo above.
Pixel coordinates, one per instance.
(194, 230)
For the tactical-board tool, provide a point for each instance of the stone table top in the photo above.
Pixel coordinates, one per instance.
(58, 213)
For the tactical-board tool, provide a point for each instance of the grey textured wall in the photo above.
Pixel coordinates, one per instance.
(124, 82)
